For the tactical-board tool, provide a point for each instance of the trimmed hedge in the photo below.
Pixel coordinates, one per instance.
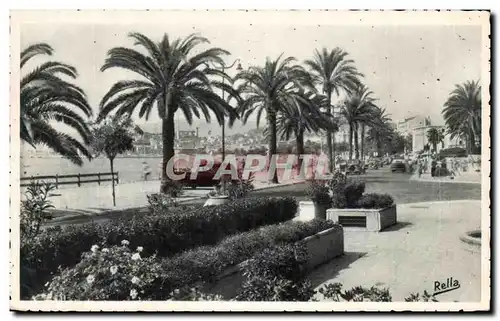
(204, 264)
(165, 235)
(374, 200)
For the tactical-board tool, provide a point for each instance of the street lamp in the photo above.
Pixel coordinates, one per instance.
(223, 67)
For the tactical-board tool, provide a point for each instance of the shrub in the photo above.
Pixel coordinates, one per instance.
(204, 264)
(374, 200)
(334, 292)
(114, 273)
(240, 188)
(319, 193)
(35, 209)
(277, 274)
(165, 235)
(441, 172)
(172, 188)
(353, 192)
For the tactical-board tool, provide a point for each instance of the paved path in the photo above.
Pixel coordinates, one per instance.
(422, 248)
(463, 178)
(97, 200)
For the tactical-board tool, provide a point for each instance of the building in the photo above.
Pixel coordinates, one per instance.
(407, 125)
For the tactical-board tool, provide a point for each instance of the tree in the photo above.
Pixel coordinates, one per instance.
(306, 116)
(112, 137)
(434, 136)
(357, 108)
(380, 130)
(173, 79)
(46, 98)
(333, 72)
(462, 114)
(272, 88)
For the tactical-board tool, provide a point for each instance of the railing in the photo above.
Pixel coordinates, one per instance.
(73, 179)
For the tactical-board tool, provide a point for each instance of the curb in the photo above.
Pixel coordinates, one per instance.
(141, 208)
(430, 203)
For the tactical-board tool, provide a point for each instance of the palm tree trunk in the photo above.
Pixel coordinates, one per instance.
(329, 137)
(379, 144)
(112, 180)
(299, 137)
(362, 140)
(356, 142)
(272, 142)
(351, 129)
(168, 136)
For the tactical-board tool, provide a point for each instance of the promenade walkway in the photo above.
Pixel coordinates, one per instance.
(91, 200)
(423, 248)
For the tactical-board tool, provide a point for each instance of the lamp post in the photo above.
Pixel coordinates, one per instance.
(223, 67)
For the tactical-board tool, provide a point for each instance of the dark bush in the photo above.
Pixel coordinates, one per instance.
(318, 193)
(353, 192)
(375, 200)
(277, 273)
(204, 264)
(165, 235)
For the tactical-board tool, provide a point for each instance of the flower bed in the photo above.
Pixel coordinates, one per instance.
(165, 235)
(202, 264)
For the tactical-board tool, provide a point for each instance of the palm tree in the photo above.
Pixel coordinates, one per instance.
(307, 116)
(273, 89)
(172, 79)
(380, 130)
(434, 136)
(46, 98)
(333, 71)
(357, 108)
(462, 113)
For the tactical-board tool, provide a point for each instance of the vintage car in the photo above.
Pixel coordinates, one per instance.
(204, 178)
(399, 165)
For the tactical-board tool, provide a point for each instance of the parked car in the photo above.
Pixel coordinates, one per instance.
(399, 164)
(204, 178)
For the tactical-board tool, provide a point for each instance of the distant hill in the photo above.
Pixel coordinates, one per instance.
(203, 127)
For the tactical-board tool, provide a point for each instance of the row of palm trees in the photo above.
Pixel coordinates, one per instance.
(173, 78)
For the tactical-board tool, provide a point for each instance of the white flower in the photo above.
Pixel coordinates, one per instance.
(135, 280)
(140, 248)
(113, 269)
(90, 279)
(125, 242)
(105, 250)
(94, 248)
(136, 256)
(133, 293)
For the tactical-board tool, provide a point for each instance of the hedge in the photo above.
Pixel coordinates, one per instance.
(165, 235)
(204, 264)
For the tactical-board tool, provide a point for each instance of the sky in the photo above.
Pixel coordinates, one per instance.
(411, 69)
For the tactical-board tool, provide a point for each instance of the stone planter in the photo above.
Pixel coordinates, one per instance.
(216, 200)
(309, 210)
(360, 219)
(321, 248)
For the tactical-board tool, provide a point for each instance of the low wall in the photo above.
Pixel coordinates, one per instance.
(321, 248)
(360, 219)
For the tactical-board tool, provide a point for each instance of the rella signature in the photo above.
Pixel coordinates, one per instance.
(442, 287)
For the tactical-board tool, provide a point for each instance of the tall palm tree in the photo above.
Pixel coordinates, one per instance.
(334, 72)
(462, 113)
(434, 136)
(307, 116)
(272, 89)
(357, 108)
(172, 79)
(45, 99)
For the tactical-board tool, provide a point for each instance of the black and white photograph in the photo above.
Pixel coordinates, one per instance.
(246, 160)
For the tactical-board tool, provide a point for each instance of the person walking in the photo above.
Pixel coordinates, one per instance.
(146, 170)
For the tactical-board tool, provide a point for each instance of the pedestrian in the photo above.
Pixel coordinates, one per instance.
(146, 170)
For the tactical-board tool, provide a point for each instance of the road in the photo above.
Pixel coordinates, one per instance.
(398, 185)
